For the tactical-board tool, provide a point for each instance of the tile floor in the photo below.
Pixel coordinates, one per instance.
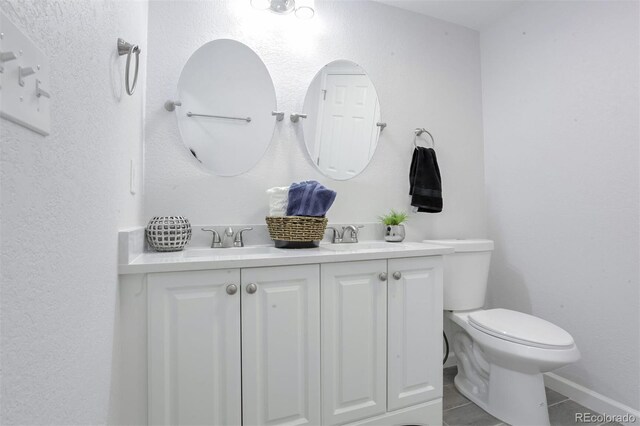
(459, 411)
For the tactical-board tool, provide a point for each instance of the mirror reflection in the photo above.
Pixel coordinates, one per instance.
(226, 98)
(343, 120)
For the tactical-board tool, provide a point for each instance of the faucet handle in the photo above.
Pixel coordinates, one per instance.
(238, 241)
(337, 235)
(353, 232)
(216, 242)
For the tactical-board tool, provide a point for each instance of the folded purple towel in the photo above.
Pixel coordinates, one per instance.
(309, 198)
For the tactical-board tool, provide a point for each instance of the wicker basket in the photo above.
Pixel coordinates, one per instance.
(296, 231)
(168, 233)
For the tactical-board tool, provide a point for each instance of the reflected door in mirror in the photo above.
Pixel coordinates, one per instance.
(343, 109)
(349, 110)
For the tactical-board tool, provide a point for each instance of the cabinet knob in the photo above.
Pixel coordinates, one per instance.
(397, 275)
(252, 288)
(232, 289)
(383, 276)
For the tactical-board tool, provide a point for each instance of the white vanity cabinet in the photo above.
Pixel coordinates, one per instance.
(381, 337)
(354, 340)
(414, 340)
(335, 343)
(194, 348)
(195, 361)
(281, 345)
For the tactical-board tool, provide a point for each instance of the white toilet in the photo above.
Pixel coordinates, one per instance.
(501, 354)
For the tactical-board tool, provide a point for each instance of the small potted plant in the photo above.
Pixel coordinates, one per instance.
(393, 225)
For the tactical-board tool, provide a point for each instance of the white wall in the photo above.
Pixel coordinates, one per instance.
(560, 96)
(64, 197)
(426, 72)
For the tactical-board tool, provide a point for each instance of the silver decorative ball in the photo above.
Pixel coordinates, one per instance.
(168, 233)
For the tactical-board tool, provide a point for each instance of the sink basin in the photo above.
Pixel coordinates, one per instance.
(232, 251)
(365, 245)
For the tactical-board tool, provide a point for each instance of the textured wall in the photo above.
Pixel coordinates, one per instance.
(560, 93)
(64, 197)
(426, 73)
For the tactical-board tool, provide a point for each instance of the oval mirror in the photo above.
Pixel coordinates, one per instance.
(342, 126)
(226, 98)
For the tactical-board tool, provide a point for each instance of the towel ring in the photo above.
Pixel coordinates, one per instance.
(129, 49)
(419, 131)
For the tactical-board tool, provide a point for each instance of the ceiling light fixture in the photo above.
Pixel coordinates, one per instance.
(261, 4)
(304, 9)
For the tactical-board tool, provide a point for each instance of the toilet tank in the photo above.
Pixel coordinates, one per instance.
(465, 273)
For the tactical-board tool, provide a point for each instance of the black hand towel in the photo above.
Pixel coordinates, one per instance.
(424, 180)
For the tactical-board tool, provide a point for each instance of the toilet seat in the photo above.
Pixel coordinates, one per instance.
(520, 328)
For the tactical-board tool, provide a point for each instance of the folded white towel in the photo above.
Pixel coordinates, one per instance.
(278, 200)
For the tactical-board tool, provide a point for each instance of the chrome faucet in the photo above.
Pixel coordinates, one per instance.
(238, 241)
(215, 242)
(229, 238)
(337, 235)
(349, 234)
(352, 235)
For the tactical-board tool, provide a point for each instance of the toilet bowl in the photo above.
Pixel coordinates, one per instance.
(501, 354)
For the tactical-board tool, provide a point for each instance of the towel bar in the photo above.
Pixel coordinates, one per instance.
(191, 114)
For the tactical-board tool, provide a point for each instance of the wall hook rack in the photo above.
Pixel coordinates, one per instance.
(25, 94)
(24, 72)
(40, 91)
(7, 56)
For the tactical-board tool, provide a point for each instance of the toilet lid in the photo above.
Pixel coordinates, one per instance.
(520, 328)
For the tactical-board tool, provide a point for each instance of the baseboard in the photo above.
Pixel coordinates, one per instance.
(591, 399)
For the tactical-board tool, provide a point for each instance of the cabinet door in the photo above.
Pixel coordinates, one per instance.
(281, 345)
(415, 331)
(354, 341)
(194, 348)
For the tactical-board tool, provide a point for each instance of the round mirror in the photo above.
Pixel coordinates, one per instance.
(226, 101)
(342, 126)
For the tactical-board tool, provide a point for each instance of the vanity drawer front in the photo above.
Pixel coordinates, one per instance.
(354, 340)
(194, 348)
(415, 331)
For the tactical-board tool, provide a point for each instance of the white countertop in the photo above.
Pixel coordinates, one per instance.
(256, 256)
